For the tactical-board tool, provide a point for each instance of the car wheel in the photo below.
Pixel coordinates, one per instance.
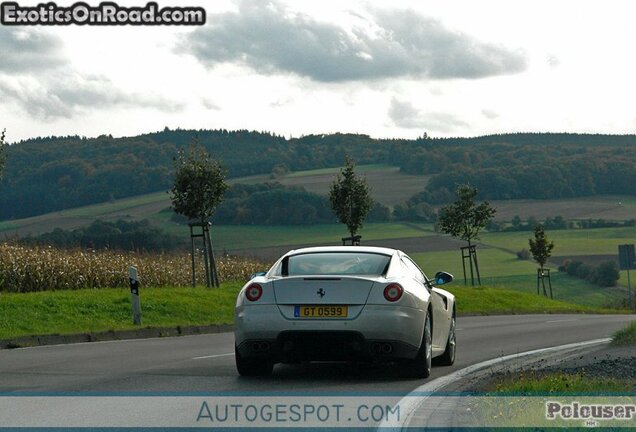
(251, 366)
(448, 358)
(420, 366)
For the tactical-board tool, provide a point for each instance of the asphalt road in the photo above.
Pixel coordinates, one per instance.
(206, 363)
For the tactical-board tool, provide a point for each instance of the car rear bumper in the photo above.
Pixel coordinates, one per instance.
(293, 346)
(378, 333)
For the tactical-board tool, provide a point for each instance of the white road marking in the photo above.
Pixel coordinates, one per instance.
(562, 320)
(411, 402)
(213, 356)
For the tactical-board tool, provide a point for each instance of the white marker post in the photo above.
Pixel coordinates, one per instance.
(134, 295)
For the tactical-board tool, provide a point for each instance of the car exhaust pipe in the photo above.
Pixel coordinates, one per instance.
(258, 347)
(387, 348)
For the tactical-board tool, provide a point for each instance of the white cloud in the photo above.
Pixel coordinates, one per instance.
(26, 50)
(269, 39)
(490, 114)
(405, 115)
(385, 68)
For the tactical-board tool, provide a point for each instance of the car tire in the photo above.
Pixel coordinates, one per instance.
(251, 366)
(448, 358)
(420, 366)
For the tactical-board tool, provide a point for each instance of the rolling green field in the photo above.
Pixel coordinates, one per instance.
(568, 242)
(498, 263)
(595, 207)
(500, 269)
(388, 186)
(243, 237)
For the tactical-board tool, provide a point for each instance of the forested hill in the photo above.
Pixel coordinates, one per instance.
(48, 174)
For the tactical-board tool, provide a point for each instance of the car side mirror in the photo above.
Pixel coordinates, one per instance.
(253, 275)
(442, 278)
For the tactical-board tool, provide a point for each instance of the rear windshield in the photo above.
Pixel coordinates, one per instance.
(336, 263)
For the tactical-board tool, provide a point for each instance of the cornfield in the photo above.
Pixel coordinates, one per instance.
(28, 269)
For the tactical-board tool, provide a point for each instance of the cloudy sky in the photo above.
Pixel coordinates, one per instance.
(394, 68)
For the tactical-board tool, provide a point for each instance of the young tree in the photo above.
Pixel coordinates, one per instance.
(464, 219)
(199, 186)
(541, 250)
(540, 247)
(350, 199)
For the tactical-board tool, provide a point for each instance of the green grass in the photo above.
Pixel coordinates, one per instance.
(490, 301)
(492, 262)
(500, 269)
(566, 288)
(608, 207)
(67, 312)
(626, 336)
(117, 206)
(91, 310)
(558, 383)
(597, 241)
(8, 226)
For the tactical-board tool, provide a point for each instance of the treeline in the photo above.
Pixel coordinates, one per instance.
(604, 275)
(119, 235)
(556, 223)
(49, 174)
(522, 166)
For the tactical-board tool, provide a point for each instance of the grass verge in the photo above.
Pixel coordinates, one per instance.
(93, 310)
(491, 301)
(556, 382)
(560, 382)
(626, 336)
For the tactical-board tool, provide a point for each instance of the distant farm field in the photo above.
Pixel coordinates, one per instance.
(568, 242)
(498, 263)
(388, 185)
(233, 237)
(598, 207)
(134, 208)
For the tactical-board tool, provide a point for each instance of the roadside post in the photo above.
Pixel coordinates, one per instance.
(626, 257)
(134, 295)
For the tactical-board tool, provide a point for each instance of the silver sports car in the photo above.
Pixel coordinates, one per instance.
(344, 304)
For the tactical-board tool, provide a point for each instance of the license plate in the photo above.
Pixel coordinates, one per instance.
(320, 311)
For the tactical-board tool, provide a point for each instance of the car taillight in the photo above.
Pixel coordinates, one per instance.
(393, 292)
(254, 292)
